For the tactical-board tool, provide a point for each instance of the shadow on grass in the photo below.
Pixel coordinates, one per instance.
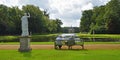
(72, 49)
(26, 54)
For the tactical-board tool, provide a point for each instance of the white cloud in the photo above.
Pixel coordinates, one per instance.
(87, 6)
(41, 3)
(9, 2)
(69, 11)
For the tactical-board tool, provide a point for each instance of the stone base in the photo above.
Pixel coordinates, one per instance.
(25, 44)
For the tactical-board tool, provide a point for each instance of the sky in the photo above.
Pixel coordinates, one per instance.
(68, 11)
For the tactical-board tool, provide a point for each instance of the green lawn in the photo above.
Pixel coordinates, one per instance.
(51, 43)
(61, 55)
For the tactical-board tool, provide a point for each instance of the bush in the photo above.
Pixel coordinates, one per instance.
(35, 38)
(43, 38)
(9, 38)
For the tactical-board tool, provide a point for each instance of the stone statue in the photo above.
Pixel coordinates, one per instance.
(24, 24)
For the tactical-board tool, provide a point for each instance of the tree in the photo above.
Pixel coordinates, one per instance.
(98, 22)
(3, 25)
(39, 22)
(86, 21)
(103, 19)
(112, 16)
(36, 20)
(14, 15)
(59, 23)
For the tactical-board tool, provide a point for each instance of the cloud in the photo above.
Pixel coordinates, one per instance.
(87, 6)
(9, 2)
(99, 2)
(69, 11)
(44, 4)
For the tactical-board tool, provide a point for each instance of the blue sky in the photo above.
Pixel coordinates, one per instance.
(69, 11)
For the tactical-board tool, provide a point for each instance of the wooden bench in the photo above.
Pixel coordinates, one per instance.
(69, 43)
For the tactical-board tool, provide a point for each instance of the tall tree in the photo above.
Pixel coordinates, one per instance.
(86, 21)
(105, 19)
(59, 23)
(112, 16)
(98, 22)
(14, 15)
(4, 21)
(39, 22)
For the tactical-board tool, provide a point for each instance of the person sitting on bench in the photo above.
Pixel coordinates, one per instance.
(59, 42)
(70, 42)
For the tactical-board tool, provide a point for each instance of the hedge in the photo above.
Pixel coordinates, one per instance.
(35, 38)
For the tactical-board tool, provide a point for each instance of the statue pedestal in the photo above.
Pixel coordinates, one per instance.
(25, 44)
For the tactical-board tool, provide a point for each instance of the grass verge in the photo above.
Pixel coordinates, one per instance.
(52, 43)
(60, 55)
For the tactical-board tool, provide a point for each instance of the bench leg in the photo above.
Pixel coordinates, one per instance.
(60, 46)
(55, 46)
(69, 47)
(82, 46)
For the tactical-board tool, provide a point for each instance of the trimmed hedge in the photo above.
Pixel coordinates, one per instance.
(43, 38)
(52, 37)
(9, 38)
(35, 38)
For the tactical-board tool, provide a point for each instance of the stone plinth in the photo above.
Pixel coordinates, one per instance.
(25, 44)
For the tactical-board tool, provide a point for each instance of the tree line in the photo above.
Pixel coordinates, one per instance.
(39, 22)
(102, 19)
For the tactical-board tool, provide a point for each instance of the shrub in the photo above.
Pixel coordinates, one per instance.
(35, 38)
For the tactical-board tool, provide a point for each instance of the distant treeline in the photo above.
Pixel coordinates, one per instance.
(66, 29)
(39, 22)
(103, 19)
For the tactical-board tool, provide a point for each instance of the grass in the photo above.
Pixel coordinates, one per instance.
(60, 55)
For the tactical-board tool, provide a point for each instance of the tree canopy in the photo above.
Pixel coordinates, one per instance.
(39, 22)
(102, 19)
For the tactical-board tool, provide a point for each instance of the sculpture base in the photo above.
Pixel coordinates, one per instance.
(25, 44)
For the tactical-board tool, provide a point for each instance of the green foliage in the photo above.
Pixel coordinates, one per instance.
(39, 22)
(52, 37)
(9, 38)
(43, 38)
(112, 16)
(86, 21)
(35, 38)
(104, 19)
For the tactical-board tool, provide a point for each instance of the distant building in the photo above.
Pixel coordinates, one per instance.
(71, 30)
